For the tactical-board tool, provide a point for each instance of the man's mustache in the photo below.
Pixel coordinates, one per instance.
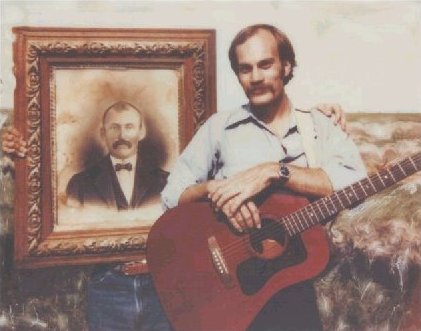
(259, 89)
(121, 142)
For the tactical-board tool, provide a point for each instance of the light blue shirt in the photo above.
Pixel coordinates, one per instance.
(233, 141)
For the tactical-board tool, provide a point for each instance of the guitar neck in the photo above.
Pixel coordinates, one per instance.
(326, 208)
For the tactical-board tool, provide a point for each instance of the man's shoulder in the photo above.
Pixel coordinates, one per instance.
(321, 122)
(226, 117)
(93, 170)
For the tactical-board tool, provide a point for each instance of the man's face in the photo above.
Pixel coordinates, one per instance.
(260, 70)
(122, 131)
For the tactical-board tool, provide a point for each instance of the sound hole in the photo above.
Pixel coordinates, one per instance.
(254, 272)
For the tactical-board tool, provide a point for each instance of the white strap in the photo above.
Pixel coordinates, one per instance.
(305, 127)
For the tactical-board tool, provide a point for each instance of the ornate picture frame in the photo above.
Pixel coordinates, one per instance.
(65, 78)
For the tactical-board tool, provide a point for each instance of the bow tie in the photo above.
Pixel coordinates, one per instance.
(121, 166)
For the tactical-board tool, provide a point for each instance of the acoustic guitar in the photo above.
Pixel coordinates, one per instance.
(211, 278)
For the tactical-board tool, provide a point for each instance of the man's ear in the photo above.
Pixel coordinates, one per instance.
(142, 133)
(287, 68)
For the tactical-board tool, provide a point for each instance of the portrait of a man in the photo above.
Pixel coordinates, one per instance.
(113, 145)
(121, 179)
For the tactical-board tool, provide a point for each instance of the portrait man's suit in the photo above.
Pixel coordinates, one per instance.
(98, 185)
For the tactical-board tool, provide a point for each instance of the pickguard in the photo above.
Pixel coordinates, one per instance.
(254, 272)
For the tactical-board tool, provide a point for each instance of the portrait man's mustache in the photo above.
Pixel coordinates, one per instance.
(122, 142)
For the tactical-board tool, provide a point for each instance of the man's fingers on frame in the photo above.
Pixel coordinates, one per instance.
(8, 143)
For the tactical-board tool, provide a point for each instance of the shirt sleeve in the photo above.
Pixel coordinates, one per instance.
(193, 165)
(339, 156)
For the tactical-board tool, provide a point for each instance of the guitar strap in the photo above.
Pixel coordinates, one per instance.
(305, 128)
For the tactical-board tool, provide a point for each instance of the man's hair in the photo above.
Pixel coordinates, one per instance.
(120, 106)
(285, 49)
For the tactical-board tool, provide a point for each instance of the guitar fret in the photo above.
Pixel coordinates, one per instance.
(303, 216)
(397, 173)
(391, 174)
(321, 211)
(286, 225)
(340, 201)
(380, 177)
(361, 194)
(299, 224)
(348, 196)
(371, 182)
(389, 179)
(362, 186)
(355, 193)
(294, 224)
(413, 163)
(325, 205)
(313, 212)
(333, 210)
(403, 170)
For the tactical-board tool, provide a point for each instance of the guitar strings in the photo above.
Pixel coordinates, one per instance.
(234, 247)
(375, 180)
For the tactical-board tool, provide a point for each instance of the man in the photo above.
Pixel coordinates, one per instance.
(236, 155)
(122, 179)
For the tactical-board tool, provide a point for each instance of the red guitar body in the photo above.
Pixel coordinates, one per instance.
(211, 278)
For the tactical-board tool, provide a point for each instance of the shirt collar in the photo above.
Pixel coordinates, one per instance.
(246, 115)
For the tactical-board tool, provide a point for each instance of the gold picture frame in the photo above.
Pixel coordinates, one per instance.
(65, 78)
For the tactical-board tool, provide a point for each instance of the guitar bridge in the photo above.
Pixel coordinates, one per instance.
(219, 262)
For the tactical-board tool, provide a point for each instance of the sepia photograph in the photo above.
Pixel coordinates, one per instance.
(210, 165)
(119, 113)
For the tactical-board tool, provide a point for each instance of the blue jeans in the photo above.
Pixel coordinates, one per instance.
(121, 303)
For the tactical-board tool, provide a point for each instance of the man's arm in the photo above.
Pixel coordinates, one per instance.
(314, 182)
(233, 196)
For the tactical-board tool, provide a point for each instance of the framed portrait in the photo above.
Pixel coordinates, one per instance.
(71, 86)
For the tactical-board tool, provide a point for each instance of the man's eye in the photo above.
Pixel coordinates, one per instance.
(266, 65)
(244, 70)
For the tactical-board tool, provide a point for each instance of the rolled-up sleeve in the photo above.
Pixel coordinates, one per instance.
(192, 166)
(339, 156)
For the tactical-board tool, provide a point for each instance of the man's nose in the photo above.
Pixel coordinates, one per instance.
(256, 75)
(123, 134)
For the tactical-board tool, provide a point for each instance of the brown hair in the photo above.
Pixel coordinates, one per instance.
(285, 49)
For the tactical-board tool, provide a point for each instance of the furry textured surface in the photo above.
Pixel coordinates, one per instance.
(376, 247)
(375, 260)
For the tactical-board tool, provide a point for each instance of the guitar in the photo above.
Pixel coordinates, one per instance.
(212, 278)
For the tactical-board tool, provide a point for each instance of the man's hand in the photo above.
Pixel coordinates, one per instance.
(246, 217)
(335, 112)
(13, 143)
(232, 196)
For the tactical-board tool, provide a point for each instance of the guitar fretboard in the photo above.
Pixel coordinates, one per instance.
(325, 208)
